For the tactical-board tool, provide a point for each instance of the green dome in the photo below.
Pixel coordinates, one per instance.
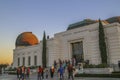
(113, 19)
(81, 23)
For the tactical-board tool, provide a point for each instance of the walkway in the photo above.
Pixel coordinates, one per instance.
(34, 77)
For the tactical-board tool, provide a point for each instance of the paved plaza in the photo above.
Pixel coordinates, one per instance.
(34, 77)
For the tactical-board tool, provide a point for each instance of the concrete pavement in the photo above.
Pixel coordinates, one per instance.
(34, 77)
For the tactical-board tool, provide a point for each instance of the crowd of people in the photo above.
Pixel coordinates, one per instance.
(23, 72)
(65, 67)
(62, 68)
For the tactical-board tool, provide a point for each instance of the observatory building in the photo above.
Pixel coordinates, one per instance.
(80, 40)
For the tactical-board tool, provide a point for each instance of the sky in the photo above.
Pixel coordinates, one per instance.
(53, 16)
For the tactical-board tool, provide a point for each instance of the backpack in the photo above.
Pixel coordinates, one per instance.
(28, 70)
(70, 68)
(39, 70)
(52, 70)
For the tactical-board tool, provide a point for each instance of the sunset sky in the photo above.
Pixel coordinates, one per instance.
(53, 16)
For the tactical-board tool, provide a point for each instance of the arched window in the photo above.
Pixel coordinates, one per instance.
(29, 60)
(18, 61)
(35, 60)
(24, 61)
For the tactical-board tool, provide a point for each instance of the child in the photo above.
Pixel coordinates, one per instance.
(46, 73)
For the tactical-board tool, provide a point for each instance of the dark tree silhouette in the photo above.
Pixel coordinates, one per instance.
(102, 44)
(44, 50)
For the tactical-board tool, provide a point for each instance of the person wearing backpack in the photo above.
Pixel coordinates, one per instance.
(60, 72)
(70, 71)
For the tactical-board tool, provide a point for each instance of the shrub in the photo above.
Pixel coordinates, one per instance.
(33, 67)
(95, 66)
(98, 75)
(12, 72)
(102, 65)
(116, 72)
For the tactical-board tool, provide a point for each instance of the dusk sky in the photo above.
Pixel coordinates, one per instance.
(53, 16)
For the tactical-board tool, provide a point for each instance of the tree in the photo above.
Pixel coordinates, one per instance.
(44, 50)
(3, 65)
(102, 44)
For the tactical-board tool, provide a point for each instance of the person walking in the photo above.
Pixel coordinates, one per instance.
(55, 64)
(52, 70)
(42, 74)
(46, 74)
(18, 73)
(28, 72)
(39, 73)
(60, 72)
(70, 71)
(22, 72)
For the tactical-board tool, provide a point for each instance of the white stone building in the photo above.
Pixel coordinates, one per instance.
(81, 40)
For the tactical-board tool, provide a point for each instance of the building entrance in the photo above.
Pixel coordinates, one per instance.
(77, 51)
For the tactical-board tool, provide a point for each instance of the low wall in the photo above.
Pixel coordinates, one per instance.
(98, 70)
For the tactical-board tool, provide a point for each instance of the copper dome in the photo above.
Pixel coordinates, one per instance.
(26, 39)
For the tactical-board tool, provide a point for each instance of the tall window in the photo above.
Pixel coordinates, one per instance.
(35, 60)
(24, 61)
(18, 61)
(29, 61)
(77, 51)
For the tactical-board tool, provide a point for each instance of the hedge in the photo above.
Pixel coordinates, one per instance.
(99, 75)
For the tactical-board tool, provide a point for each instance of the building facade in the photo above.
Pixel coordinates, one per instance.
(80, 40)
